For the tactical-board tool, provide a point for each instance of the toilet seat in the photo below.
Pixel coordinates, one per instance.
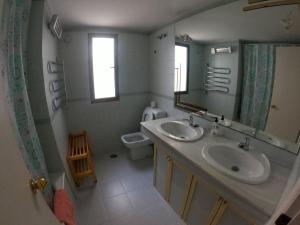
(135, 140)
(139, 145)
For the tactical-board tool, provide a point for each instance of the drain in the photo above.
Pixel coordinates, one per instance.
(113, 156)
(182, 137)
(235, 168)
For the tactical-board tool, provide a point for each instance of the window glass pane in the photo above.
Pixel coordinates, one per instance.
(181, 56)
(104, 67)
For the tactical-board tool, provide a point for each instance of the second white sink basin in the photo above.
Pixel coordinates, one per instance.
(246, 166)
(180, 131)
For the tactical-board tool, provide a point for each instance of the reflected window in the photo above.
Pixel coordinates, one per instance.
(181, 68)
(103, 64)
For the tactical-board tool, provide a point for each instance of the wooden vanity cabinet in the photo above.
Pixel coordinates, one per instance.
(160, 170)
(191, 197)
(205, 206)
(232, 215)
(179, 182)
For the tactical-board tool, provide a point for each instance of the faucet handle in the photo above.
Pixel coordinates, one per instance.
(246, 140)
(191, 119)
(191, 116)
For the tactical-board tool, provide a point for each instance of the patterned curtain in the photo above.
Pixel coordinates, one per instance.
(13, 37)
(258, 77)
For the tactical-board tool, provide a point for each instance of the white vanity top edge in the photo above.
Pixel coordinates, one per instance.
(263, 196)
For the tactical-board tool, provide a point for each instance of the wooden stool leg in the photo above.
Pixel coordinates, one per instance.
(94, 177)
(77, 183)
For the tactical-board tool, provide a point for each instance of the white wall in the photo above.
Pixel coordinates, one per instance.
(219, 103)
(162, 58)
(106, 122)
(57, 118)
(50, 125)
(196, 69)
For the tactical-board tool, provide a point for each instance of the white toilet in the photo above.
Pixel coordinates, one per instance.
(139, 144)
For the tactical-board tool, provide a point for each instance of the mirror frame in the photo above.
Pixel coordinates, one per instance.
(186, 106)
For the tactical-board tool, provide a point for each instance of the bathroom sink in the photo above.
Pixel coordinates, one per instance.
(180, 131)
(246, 166)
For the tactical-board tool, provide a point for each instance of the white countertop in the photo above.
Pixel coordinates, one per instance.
(262, 196)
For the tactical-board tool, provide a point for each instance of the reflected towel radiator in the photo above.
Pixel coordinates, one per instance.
(216, 79)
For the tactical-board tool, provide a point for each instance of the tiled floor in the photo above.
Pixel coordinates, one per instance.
(124, 195)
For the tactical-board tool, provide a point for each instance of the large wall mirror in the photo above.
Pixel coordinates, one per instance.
(245, 66)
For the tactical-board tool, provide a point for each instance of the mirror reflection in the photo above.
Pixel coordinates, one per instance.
(244, 66)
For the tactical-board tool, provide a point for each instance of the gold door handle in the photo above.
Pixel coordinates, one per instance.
(39, 184)
(169, 159)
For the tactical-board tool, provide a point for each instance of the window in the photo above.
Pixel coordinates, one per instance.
(103, 67)
(181, 67)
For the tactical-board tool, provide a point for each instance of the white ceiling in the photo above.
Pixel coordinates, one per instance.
(230, 23)
(142, 16)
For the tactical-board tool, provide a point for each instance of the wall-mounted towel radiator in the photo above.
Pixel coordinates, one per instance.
(216, 79)
(57, 86)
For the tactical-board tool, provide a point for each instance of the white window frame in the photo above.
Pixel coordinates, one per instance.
(115, 67)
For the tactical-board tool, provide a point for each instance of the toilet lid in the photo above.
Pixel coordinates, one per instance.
(148, 114)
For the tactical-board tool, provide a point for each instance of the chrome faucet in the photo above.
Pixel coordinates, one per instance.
(190, 120)
(245, 144)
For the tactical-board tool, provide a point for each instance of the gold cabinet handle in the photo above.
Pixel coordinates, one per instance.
(222, 200)
(39, 184)
(275, 107)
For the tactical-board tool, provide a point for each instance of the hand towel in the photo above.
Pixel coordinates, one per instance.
(64, 208)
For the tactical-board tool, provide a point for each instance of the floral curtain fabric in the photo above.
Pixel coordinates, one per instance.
(258, 77)
(13, 37)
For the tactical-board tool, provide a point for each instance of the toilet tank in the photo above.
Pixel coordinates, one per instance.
(153, 114)
(159, 113)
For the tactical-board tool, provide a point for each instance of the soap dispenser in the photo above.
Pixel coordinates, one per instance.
(215, 128)
(224, 122)
(222, 118)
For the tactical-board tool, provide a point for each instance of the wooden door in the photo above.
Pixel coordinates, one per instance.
(284, 115)
(18, 205)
